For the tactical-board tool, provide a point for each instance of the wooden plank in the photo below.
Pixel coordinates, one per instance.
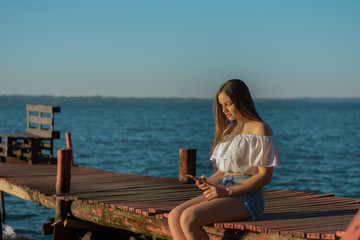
(15, 135)
(47, 134)
(3, 149)
(299, 226)
(288, 214)
(28, 194)
(42, 108)
(40, 120)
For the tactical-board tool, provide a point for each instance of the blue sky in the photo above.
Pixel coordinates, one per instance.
(184, 48)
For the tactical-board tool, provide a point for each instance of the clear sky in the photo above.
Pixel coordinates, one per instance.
(182, 48)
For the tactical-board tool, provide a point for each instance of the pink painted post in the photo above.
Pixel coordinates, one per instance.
(187, 164)
(69, 145)
(62, 182)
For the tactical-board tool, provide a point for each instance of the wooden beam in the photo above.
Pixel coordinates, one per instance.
(85, 225)
(187, 164)
(63, 182)
(117, 218)
(2, 207)
(158, 227)
(63, 171)
(69, 145)
(1, 232)
(2, 213)
(43, 133)
(42, 108)
(39, 120)
(62, 186)
(47, 201)
(47, 228)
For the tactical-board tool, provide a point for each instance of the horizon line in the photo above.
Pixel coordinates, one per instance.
(163, 97)
(99, 97)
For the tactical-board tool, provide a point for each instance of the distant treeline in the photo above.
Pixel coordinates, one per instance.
(46, 99)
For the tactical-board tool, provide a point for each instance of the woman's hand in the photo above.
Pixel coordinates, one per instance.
(202, 183)
(215, 191)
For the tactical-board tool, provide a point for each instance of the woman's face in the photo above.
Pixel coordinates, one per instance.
(228, 107)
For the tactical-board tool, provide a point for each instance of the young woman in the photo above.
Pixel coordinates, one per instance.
(244, 152)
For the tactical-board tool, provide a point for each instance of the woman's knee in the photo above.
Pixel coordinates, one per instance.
(188, 219)
(174, 215)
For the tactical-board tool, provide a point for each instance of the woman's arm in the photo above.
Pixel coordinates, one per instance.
(215, 178)
(262, 178)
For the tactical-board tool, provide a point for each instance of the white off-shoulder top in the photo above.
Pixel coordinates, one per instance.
(243, 153)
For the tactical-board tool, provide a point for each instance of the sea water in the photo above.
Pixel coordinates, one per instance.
(319, 143)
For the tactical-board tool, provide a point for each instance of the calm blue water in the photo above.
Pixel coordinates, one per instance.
(319, 144)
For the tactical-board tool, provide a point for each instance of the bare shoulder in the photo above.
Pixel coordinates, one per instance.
(259, 128)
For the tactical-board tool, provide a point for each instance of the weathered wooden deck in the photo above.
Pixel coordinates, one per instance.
(141, 203)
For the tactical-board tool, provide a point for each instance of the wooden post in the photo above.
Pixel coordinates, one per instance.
(62, 182)
(2, 203)
(62, 186)
(1, 231)
(187, 164)
(69, 145)
(2, 215)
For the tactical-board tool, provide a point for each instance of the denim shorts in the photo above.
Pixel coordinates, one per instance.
(254, 201)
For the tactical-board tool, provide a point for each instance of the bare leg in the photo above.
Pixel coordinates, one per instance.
(194, 217)
(175, 214)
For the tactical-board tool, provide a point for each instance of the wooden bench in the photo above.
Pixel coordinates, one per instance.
(36, 144)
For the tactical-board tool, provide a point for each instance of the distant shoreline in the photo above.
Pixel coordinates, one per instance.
(47, 99)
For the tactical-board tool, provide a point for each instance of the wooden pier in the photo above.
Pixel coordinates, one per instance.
(141, 204)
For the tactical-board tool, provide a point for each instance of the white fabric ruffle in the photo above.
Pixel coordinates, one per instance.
(241, 152)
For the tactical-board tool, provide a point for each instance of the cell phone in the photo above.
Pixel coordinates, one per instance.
(196, 178)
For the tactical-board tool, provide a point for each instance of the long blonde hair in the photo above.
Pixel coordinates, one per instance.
(240, 96)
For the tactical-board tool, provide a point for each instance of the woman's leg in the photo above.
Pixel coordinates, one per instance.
(175, 214)
(194, 217)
